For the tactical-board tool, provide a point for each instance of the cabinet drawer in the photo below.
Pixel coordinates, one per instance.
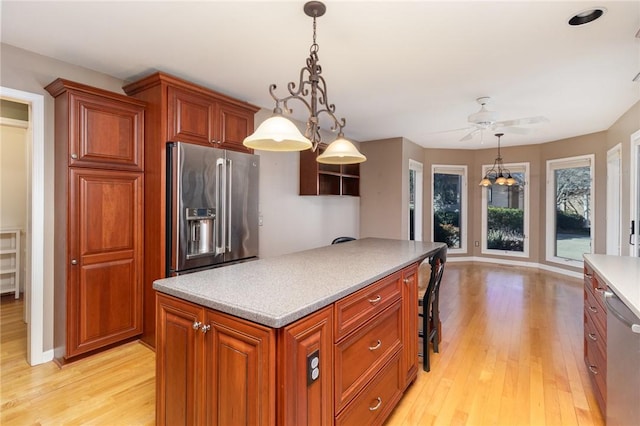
(375, 402)
(592, 333)
(358, 357)
(595, 308)
(597, 367)
(592, 281)
(356, 309)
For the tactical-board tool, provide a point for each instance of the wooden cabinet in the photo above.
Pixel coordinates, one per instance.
(203, 119)
(178, 110)
(327, 179)
(212, 368)
(99, 193)
(343, 364)
(595, 334)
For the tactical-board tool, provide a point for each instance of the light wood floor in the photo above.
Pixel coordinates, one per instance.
(511, 355)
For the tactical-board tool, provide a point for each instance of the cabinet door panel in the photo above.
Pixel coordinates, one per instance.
(190, 116)
(240, 366)
(235, 124)
(105, 258)
(105, 133)
(179, 358)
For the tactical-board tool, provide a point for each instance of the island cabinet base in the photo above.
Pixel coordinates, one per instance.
(347, 363)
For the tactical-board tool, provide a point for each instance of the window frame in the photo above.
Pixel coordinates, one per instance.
(458, 170)
(523, 167)
(550, 238)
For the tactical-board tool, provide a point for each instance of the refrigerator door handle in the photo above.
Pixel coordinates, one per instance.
(229, 203)
(221, 198)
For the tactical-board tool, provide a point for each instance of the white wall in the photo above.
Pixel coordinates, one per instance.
(13, 183)
(292, 222)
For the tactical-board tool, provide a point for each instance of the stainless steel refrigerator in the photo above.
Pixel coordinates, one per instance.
(212, 207)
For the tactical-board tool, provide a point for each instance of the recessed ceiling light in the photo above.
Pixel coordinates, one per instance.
(586, 16)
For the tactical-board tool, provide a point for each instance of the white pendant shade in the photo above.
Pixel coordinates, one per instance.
(341, 151)
(277, 134)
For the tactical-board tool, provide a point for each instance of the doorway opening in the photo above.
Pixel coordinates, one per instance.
(34, 254)
(614, 201)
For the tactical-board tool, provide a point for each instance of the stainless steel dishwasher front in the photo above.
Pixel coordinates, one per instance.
(623, 363)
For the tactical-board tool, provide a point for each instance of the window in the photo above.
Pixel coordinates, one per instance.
(569, 212)
(449, 206)
(415, 200)
(505, 214)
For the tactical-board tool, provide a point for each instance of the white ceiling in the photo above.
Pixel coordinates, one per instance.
(393, 68)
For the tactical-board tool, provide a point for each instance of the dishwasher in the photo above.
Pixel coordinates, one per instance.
(623, 363)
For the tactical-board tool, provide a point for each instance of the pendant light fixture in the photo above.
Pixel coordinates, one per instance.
(278, 133)
(498, 172)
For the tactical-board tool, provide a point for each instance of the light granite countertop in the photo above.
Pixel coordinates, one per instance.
(622, 274)
(280, 290)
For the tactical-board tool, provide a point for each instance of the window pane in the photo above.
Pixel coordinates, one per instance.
(447, 205)
(573, 205)
(505, 215)
(412, 205)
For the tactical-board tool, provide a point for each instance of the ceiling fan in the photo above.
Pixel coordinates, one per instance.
(488, 120)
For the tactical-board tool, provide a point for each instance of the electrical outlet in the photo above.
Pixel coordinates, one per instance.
(313, 367)
(477, 243)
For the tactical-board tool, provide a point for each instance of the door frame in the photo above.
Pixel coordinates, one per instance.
(34, 282)
(418, 215)
(614, 201)
(634, 198)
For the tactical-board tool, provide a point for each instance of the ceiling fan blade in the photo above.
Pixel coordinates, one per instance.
(520, 121)
(516, 130)
(450, 130)
(469, 135)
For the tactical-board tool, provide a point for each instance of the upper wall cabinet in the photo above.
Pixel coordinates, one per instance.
(203, 119)
(103, 129)
(327, 179)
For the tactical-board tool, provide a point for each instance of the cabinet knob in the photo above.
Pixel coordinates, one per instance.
(196, 325)
(74, 262)
(205, 328)
(406, 280)
(74, 156)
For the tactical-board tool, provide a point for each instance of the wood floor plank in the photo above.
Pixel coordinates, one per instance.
(511, 354)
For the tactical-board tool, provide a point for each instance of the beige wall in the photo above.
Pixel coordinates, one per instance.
(381, 194)
(13, 184)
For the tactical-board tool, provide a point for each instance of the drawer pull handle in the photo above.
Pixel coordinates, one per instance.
(592, 309)
(593, 369)
(588, 275)
(600, 289)
(375, 300)
(378, 404)
(377, 346)
(592, 336)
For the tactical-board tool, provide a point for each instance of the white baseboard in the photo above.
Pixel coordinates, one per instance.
(509, 262)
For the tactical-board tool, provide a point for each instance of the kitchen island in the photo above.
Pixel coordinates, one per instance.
(612, 334)
(323, 336)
